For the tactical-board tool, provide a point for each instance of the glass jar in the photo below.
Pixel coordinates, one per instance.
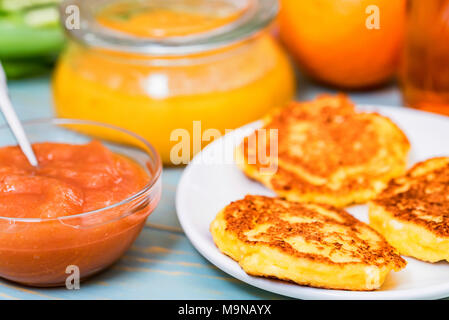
(171, 69)
(424, 71)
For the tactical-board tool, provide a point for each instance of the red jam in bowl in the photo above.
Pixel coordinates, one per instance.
(83, 206)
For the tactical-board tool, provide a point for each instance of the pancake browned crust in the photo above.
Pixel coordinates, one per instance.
(413, 211)
(310, 244)
(327, 152)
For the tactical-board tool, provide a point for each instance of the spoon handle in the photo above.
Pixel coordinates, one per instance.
(13, 121)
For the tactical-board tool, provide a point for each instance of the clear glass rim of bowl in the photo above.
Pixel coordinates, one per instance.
(258, 15)
(155, 178)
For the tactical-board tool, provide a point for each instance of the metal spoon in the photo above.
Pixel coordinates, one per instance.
(13, 121)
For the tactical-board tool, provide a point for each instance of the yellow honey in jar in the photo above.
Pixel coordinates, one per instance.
(153, 67)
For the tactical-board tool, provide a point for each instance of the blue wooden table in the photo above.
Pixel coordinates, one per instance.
(162, 264)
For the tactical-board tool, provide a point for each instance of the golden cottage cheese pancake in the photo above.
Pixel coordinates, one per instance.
(309, 244)
(327, 152)
(413, 211)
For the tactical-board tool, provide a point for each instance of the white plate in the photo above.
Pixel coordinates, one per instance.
(211, 181)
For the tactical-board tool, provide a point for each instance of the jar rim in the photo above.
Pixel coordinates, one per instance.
(256, 16)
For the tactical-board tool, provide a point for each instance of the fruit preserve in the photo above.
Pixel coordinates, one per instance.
(81, 208)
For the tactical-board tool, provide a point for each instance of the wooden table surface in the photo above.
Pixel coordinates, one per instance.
(162, 264)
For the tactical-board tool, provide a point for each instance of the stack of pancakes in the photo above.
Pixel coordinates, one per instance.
(326, 155)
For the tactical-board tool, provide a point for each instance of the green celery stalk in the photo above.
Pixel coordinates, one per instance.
(42, 17)
(16, 69)
(16, 5)
(30, 33)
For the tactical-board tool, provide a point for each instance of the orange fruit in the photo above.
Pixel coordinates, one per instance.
(332, 42)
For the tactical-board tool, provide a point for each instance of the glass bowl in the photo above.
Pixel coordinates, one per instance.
(45, 252)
